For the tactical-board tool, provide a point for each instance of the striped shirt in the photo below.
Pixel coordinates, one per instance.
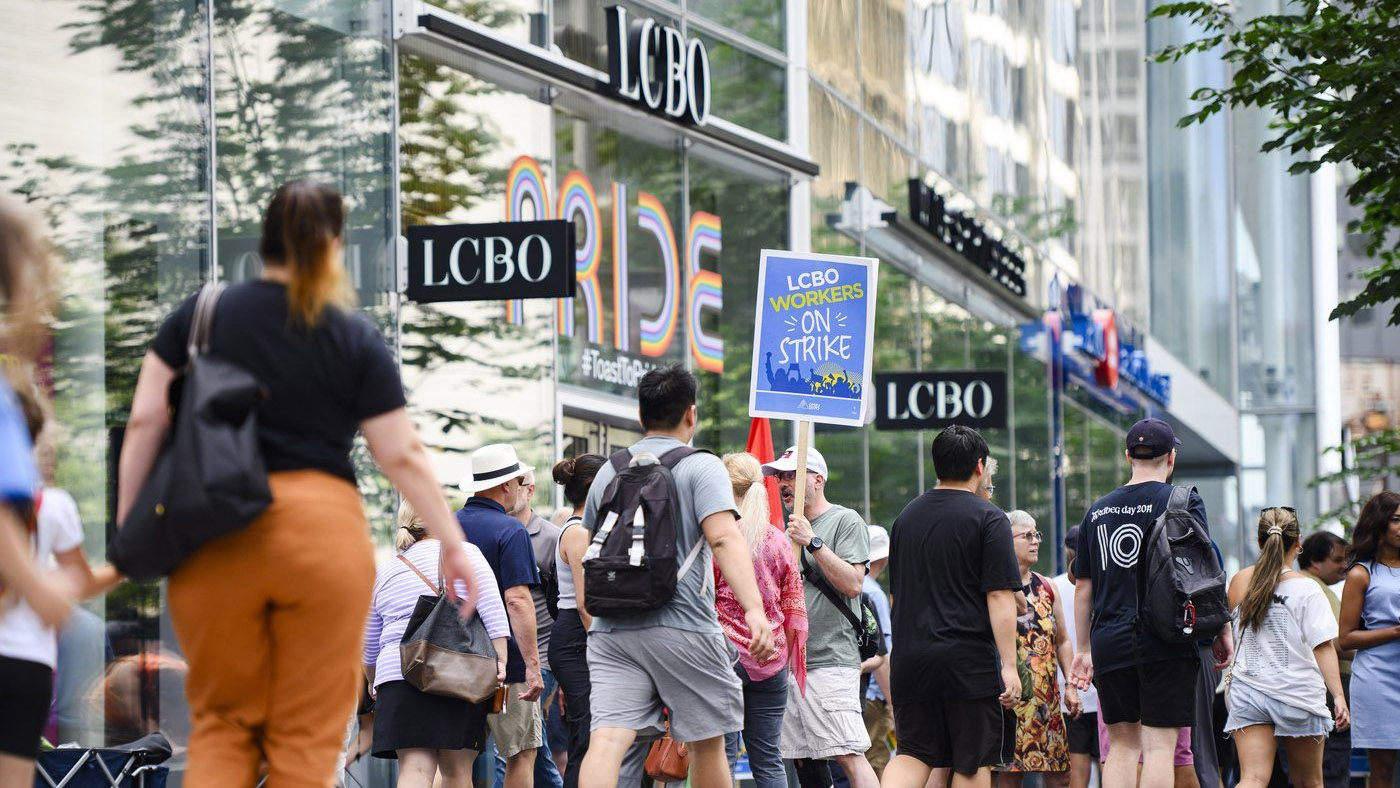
(396, 592)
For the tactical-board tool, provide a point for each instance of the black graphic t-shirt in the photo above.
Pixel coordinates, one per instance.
(1110, 539)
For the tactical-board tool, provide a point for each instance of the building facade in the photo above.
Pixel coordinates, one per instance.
(1015, 166)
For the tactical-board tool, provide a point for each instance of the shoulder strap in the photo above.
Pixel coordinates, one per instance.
(823, 585)
(620, 460)
(673, 457)
(421, 576)
(1181, 498)
(201, 325)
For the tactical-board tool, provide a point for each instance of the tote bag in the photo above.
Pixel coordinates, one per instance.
(209, 478)
(443, 655)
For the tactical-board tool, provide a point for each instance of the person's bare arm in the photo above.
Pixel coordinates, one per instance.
(872, 664)
(520, 608)
(1001, 609)
(87, 581)
(502, 655)
(1064, 650)
(49, 599)
(843, 575)
(1351, 635)
(396, 448)
(1083, 673)
(1326, 656)
(145, 430)
(572, 545)
(882, 680)
(735, 564)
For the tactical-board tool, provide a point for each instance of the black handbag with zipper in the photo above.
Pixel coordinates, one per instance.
(209, 479)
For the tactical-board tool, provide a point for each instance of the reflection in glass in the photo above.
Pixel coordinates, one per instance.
(747, 89)
(761, 20)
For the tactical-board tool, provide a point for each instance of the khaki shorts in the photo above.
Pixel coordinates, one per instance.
(826, 722)
(519, 726)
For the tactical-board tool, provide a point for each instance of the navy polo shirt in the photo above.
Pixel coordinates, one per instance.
(506, 545)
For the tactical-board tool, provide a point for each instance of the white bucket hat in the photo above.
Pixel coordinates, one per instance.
(492, 465)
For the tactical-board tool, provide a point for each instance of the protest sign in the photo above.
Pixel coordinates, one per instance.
(813, 330)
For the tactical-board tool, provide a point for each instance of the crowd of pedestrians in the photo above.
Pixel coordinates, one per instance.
(671, 605)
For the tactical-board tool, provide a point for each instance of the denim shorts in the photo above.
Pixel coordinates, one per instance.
(1248, 706)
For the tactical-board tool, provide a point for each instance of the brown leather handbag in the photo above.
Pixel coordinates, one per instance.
(668, 761)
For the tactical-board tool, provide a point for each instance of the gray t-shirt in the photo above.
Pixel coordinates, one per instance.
(544, 538)
(831, 640)
(703, 486)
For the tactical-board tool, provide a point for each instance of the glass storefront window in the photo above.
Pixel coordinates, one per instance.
(747, 89)
(761, 20)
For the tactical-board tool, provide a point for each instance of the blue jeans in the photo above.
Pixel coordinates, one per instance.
(765, 702)
(546, 773)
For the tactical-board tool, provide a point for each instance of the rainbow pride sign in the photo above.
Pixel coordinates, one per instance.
(688, 291)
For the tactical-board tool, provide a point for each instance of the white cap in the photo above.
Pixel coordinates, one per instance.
(816, 463)
(879, 542)
(493, 465)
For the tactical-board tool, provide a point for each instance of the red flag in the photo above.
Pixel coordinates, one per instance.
(760, 445)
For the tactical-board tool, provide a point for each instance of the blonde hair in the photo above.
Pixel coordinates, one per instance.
(751, 495)
(1278, 533)
(411, 528)
(26, 281)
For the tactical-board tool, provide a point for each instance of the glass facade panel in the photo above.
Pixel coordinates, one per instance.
(749, 209)
(1190, 197)
(762, 20)
(747, 89)
(110, 150)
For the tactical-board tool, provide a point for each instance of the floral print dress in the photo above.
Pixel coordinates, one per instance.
(1041, 743)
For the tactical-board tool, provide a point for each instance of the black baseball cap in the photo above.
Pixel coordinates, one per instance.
(1151, 438)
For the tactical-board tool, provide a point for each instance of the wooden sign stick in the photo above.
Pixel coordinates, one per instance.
(799, 482)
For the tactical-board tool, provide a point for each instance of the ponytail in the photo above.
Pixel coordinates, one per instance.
(300, 228)
(411, 528)
(751, 495)
(1278, 533)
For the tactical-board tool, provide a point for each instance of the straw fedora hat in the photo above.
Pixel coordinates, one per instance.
(492, 465)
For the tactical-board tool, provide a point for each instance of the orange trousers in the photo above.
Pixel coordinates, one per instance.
(271, 620)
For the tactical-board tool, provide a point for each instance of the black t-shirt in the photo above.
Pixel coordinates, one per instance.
(1110, 540)
(948, 549)
(321, 383)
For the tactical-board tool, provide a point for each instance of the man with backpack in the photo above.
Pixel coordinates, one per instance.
(658, 511)
(1149, 586)
(826, 722)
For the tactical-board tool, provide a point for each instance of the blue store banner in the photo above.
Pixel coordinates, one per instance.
(813, 330)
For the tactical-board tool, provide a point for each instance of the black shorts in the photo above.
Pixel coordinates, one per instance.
(26, 689)
(1157, 694)
(966, 735)
(1083, 734)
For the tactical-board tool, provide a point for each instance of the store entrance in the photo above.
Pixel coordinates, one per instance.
(596, 433)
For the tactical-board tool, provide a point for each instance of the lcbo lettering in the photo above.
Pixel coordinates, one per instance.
(655, 66)
(946, 399)
(495, 257)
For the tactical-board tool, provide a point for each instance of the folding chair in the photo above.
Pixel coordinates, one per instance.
(135, 765)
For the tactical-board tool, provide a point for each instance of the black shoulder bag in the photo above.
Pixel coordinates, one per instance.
(209, 479)
(869, 641)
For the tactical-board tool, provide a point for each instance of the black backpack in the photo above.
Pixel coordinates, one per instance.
(631, 566)
(1181, 585)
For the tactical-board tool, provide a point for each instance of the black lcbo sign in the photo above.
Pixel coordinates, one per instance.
(655, 66)
(934, 400)
(491, 262)
(966, 237)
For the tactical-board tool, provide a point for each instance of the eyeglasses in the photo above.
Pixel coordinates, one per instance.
(785, 476)
(1031, 536)
(989, 489)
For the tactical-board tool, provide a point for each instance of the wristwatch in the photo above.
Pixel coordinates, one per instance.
(816, 544)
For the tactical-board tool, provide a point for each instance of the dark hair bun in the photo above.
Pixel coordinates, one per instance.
(564, 471)
(576, 474)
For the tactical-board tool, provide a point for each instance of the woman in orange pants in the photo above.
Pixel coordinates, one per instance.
(271, 618)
